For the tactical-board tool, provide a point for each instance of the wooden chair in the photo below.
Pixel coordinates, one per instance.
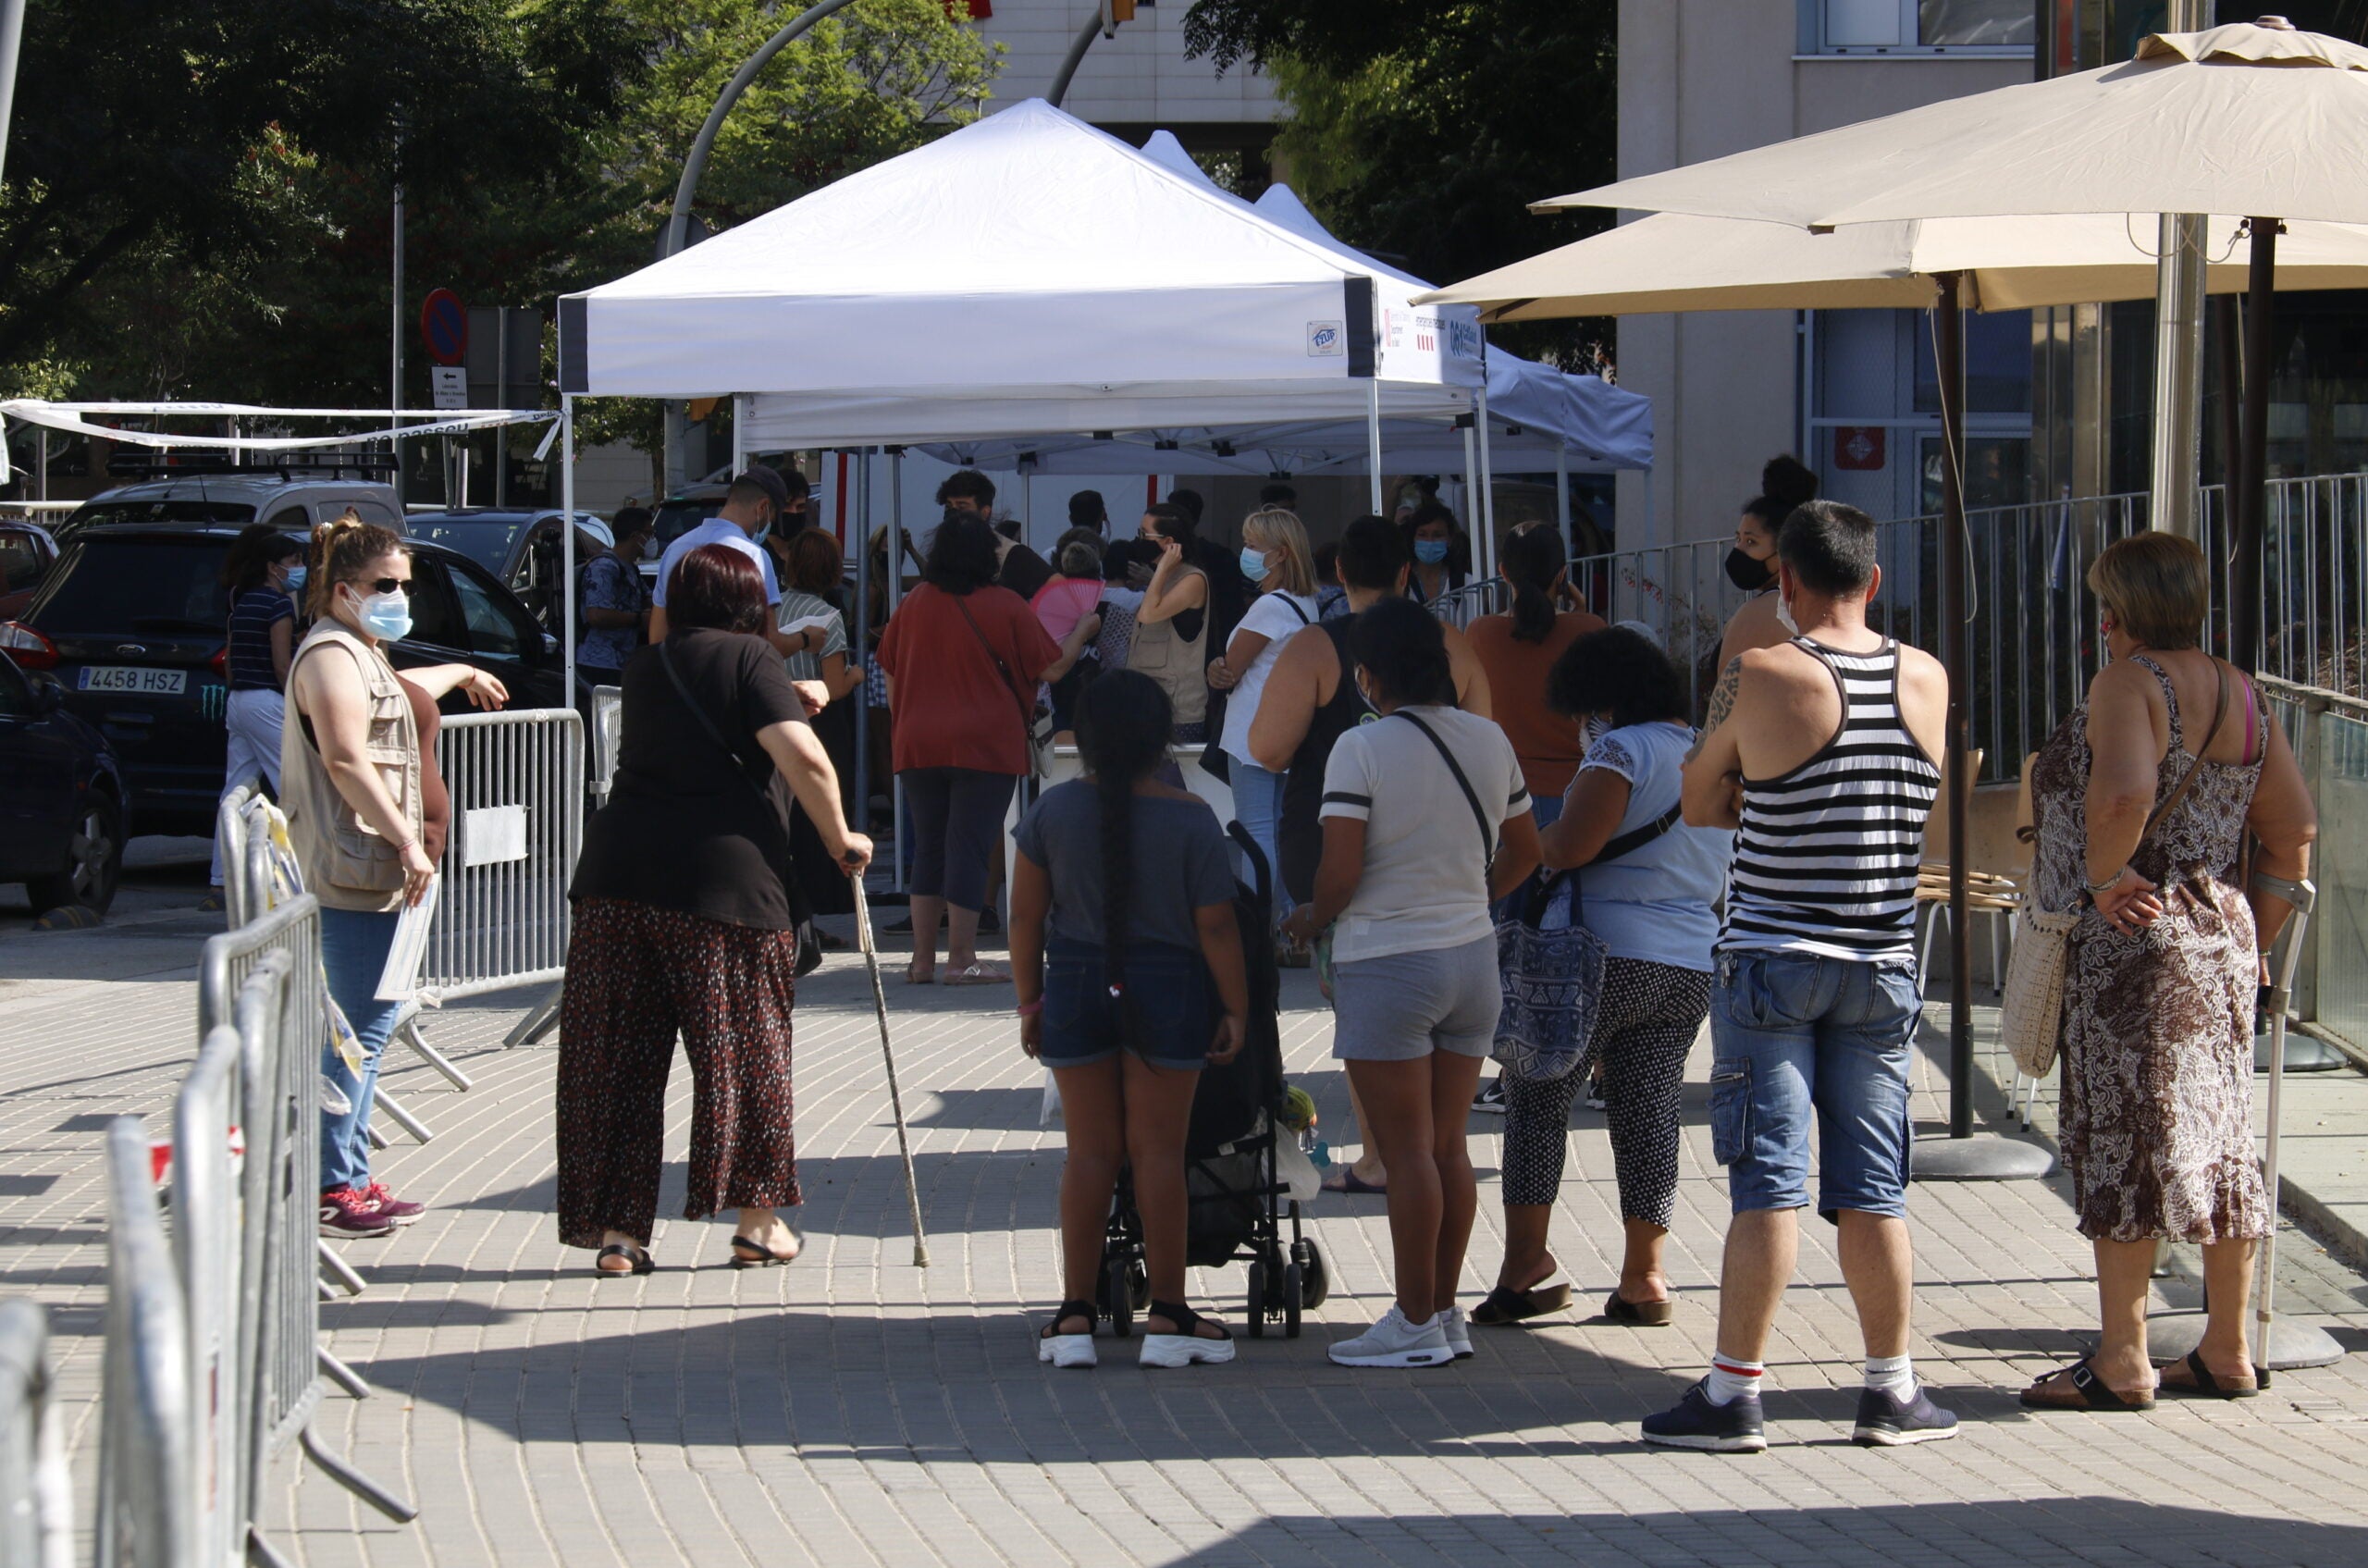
(1988, 895)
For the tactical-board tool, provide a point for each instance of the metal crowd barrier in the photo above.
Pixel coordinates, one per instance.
(517, 787)
(36, 1528)
(245, 1231)
(147, 1490)
(608, 735)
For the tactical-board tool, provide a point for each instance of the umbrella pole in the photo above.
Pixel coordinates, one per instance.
(1960, 1156)
(2252, 469)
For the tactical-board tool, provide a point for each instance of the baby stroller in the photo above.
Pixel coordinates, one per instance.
(1238, 1198)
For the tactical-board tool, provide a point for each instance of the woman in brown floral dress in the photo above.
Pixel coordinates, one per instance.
(2160, 971)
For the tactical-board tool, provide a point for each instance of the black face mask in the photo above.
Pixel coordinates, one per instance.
(1749, 574)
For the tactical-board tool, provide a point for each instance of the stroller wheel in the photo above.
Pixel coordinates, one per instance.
(1139, 1285)
(1315, 1280)
(1258, 1299)
(1119, 1299)
(1294, 1289)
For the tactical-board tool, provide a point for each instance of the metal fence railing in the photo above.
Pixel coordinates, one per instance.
(36, 1525)
(147, 1491)
(2329, 734)
(517, 787)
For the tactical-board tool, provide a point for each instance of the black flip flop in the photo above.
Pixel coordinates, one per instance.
(2094, 1392)
(1639, 1314)
(1506, 1306)
(2205, 1384)
(747, 1254)
(637, 1256)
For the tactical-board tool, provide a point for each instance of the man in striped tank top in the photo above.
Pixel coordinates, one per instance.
(1820, 753)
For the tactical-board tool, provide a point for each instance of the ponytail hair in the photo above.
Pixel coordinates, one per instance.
(342, 548)
(1785, 484)
(1532, 559)
(1123, 721)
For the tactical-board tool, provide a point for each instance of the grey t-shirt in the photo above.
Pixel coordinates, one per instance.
(1181, 863)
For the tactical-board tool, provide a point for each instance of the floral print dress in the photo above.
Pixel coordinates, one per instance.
(2158, 1026)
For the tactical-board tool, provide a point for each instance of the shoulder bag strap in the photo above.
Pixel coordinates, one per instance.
(1636, 838)
(708, 726)
(1479, 816)
(1027, 708)
(2187, 779)
(1287, 599)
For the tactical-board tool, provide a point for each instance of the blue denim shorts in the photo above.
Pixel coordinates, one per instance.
(1793, 1034)
(1168, 985)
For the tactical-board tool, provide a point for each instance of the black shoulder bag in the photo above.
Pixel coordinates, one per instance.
(810, 942)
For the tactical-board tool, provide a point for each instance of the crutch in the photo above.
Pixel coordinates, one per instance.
(2301, 896)
(896, 1102)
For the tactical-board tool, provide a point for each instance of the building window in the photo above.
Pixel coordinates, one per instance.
(1875, 414)
(1917, 27)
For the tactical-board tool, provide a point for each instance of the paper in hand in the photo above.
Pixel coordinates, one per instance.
(400, 980)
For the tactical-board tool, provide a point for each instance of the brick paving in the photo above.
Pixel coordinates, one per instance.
(852, 1409)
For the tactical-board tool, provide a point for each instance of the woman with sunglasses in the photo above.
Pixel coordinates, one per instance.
(350, 770)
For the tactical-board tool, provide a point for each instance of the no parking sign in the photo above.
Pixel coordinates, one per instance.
(444, 325)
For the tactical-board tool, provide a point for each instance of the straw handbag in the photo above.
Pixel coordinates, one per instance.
(2030, 1020)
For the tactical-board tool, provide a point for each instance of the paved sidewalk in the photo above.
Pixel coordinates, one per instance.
(852, 1409)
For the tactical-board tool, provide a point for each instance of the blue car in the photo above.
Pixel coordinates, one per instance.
(62, 823)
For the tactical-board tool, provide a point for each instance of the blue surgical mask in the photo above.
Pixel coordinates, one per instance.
(1253, 564)
(296, 579)
(758, 536)
(387, 617)
(1430, 553)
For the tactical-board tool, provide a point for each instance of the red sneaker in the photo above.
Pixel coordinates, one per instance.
(391, 1207)
(345, 1212)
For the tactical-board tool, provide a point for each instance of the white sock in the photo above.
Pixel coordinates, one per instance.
(1894, 1375)
(1730, 1379)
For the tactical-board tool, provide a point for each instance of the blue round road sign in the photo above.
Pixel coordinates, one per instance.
(445, 326)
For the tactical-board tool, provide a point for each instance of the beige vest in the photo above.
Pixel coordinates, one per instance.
(347, 863)
(1178, 665)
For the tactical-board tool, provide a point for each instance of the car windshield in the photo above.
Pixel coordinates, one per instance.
(159, 585)
(679, 517)
(101, 513)
(486, 540)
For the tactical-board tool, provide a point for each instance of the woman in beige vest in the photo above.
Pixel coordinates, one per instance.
(349, 780)
(1172, 626)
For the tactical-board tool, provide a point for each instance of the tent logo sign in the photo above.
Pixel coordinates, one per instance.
(1327, 340)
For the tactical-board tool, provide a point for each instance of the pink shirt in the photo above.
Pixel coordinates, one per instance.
(1063, 602)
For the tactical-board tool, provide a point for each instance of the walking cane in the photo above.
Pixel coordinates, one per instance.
(2301, 896)
(896, 1102)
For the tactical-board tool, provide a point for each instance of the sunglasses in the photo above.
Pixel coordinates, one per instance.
(388, 585)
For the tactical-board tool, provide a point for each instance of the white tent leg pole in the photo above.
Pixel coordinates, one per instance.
(567, 538)
(1487, 504)
(896, 596)
(1562, 494)
(1471, 467)
(1372, 441)
(739, 435)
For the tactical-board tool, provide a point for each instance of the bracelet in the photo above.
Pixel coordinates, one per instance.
(2094, 888)
(1029, 1009)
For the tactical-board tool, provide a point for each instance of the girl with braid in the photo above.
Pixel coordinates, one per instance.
(1129, 965)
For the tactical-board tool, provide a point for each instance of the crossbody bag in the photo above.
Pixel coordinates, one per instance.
(1214, 758)
(1035, 724)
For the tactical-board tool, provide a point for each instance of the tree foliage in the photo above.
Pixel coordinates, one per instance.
(199, 196)
(1423, 129)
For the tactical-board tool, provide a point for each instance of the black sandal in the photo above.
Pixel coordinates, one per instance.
(1639, 1314)
(2085, 1390)
(2199, 1380)
(638, 1257)
(1505, 1305)
(1184, 1344)
(749, 1255)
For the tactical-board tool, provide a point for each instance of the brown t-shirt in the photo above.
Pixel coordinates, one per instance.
(1549, 744)
(435, 800)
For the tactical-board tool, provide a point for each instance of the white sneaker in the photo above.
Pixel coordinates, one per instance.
(1066, 1350)
(1183, 1350)
(1458, 1331)
(1394, 1341)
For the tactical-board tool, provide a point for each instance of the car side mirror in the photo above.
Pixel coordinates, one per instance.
(550, 648)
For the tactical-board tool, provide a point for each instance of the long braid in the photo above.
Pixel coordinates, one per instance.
(1122, 728)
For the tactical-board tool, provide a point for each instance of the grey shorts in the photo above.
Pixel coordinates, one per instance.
(1405, 1006)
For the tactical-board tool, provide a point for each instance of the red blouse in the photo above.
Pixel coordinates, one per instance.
(951, 707)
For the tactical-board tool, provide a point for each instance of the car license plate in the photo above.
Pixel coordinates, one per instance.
(131, 678)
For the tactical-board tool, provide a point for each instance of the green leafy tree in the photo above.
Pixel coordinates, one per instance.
(1421, 129)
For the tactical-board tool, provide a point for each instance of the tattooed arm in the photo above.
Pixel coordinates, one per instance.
(1713, 795)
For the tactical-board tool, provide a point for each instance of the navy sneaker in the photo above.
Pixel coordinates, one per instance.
(1884, 1421)
(1696, 1423)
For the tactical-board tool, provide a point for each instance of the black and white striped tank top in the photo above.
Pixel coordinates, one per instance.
(1826, 857)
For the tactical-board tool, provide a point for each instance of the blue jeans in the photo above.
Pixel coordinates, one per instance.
(353, 954)
(1791, 1033)
(1258, 807)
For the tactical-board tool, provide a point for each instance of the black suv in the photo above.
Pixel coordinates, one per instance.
(132, 621)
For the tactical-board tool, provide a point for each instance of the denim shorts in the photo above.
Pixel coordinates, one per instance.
(1793, 1034)
(1168, 985)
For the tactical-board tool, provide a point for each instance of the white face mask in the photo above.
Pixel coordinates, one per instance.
(1784, 615)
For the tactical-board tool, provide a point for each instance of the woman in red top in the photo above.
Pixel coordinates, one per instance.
(963, 657)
